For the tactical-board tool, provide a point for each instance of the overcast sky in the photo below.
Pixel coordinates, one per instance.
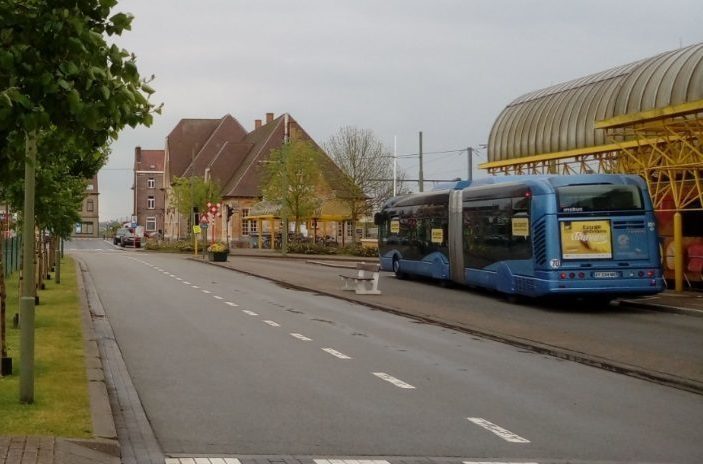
(446, 68)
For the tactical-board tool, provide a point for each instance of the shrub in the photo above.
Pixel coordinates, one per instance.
(358, 250)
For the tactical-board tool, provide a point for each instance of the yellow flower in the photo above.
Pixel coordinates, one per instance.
(217, 247)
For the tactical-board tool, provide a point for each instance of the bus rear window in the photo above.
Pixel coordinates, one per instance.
(598, 197)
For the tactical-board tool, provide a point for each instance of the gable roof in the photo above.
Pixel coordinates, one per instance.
(149, 160)
(185, 141)
(227, 131)
(233, 158)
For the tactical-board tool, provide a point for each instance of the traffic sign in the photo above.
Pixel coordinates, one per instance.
(196, 229)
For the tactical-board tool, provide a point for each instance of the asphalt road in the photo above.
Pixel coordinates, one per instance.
(225, 363)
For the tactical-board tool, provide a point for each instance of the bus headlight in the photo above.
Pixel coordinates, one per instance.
(555, 263)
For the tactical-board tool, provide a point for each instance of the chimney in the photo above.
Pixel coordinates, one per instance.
(269, 117)
(138, 154)
(257, 123)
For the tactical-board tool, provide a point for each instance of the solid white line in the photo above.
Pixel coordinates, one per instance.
(251, 313)
(231, 304)
(497, 462)
(336, 353)
(206, 291)
(505, 434)
(273, 324)
(389, 378)
(217, 297)
(350, 461)
(301, 337)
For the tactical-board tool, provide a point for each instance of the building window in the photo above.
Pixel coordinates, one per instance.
(150, 202)
(151, 224)
(249, 226)
(150, 183)
(89, 206)
(84, 228)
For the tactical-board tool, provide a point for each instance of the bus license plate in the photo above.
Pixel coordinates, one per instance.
(606, 275)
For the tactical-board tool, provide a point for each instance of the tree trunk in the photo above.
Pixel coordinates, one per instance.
(3, 299)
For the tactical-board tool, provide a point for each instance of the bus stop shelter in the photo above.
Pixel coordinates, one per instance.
(642, 118)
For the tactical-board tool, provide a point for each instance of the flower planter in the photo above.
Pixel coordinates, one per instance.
(218, 256)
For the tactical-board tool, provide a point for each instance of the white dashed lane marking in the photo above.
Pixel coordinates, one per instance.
(217, 297)
(206, 291)
(251, 313)
(194, 286)
(178, 278)
(186, 282)
(301, 337)
(273, 324)
(231, 304)
(389, 378)
(336, 353)
(497, 462)
(506, 435)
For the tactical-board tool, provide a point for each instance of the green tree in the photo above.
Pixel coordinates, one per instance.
(292, 179)
(61, 84)
(194, 192)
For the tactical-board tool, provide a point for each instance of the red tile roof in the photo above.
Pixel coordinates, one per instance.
(231, 154)
(151, 160)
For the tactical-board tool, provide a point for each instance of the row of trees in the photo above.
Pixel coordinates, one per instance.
(65, 94)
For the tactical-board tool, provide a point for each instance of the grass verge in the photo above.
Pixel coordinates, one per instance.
(61, 406)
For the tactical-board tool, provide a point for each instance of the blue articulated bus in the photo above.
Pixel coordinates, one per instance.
(582, 235)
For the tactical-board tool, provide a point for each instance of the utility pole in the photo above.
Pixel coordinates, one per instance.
(420, 180)
(395, 165)
(27, 298)
(470, 155)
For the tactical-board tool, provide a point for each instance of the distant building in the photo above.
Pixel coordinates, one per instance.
(223, 151)
(89, 225)
(149, 190)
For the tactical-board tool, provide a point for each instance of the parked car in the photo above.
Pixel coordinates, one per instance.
(125, 236)
(117, 239)
(131, 240)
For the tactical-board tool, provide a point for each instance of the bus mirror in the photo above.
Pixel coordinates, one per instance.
(377, 219)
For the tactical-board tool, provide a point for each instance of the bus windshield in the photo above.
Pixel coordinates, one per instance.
(598, 197)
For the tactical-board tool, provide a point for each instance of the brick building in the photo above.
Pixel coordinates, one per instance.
(89, 225)
(225, 152)
(149, 190)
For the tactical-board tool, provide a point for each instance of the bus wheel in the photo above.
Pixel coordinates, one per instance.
(396, 268)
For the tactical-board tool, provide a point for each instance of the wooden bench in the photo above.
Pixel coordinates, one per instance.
(365, 282)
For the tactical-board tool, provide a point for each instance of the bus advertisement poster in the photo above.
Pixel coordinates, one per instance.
(520, 226)
(437, 235)
(586, 240)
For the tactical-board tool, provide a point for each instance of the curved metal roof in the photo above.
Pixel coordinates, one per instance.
(562, 117)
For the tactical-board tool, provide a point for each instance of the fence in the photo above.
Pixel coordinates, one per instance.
(11, 254)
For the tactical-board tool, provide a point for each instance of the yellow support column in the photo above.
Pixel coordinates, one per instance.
(678, 252)
(260, 228)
